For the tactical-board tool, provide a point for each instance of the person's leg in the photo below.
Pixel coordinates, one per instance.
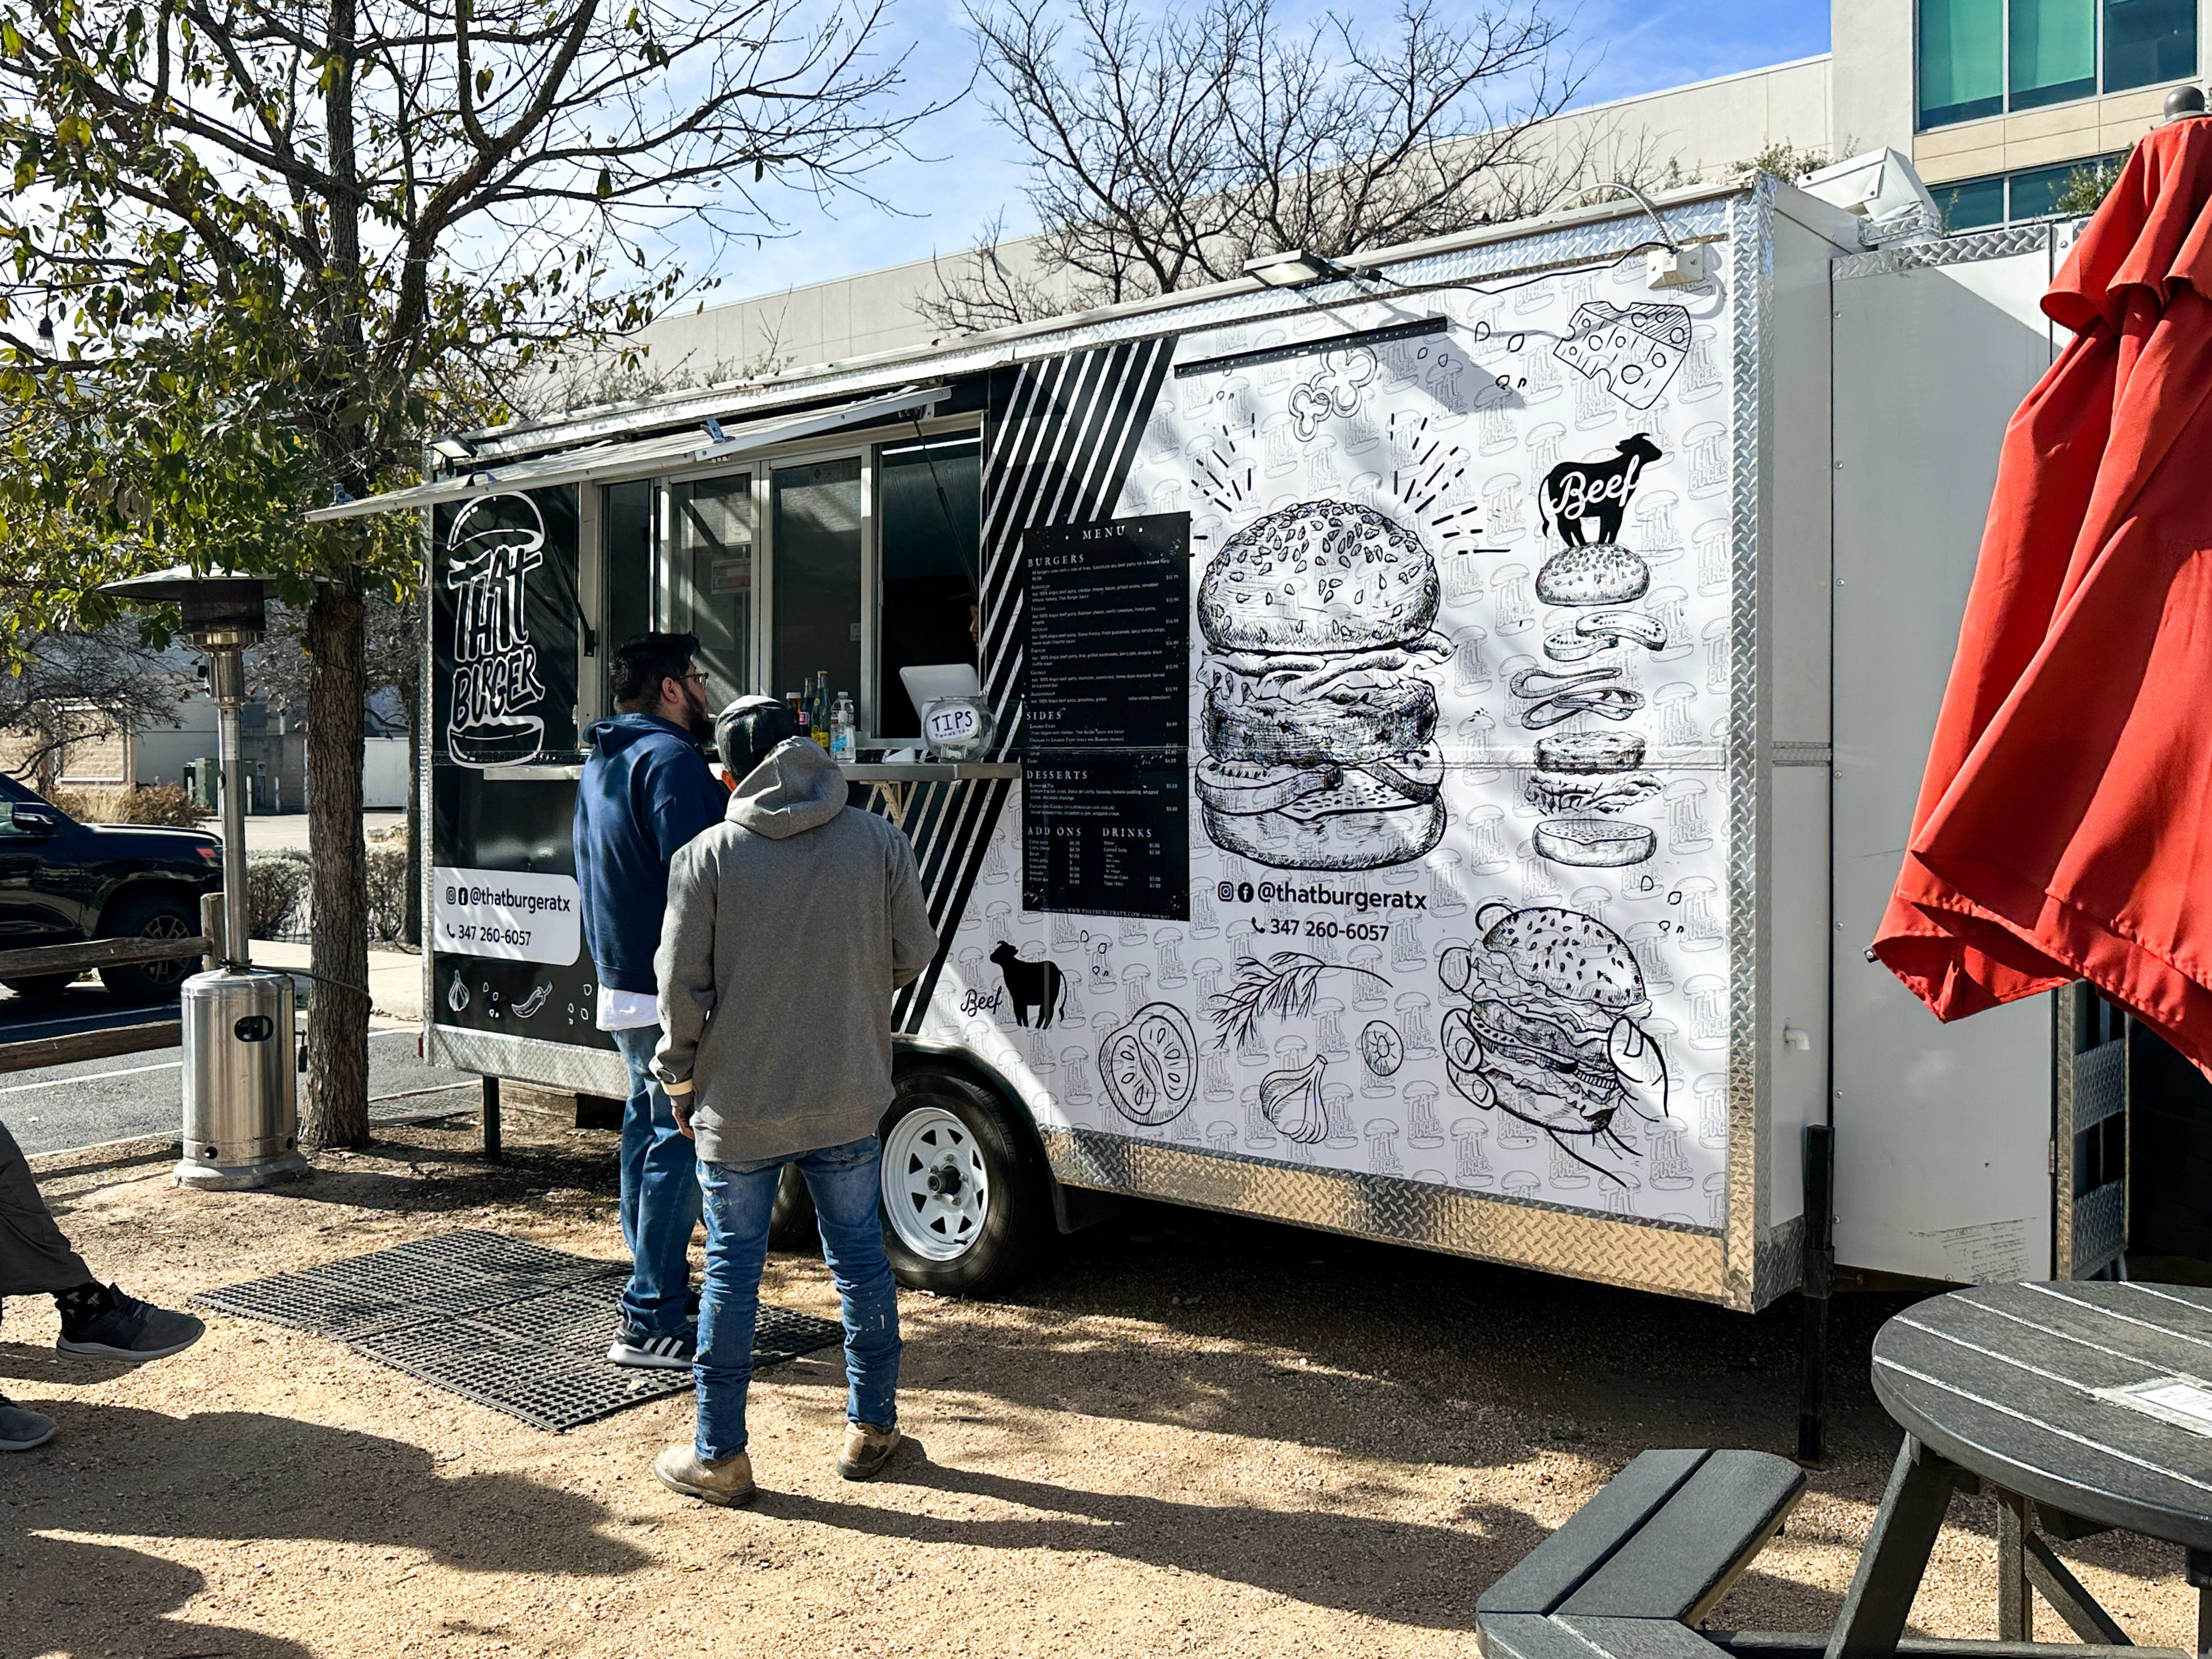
(846, 1185)
(660, 1201)
(636, 1045)
(98, 1322)
(738, 1202)
(35, 1258)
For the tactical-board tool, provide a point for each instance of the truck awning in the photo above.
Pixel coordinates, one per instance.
(611, 462)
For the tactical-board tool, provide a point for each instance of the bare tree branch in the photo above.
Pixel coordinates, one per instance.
(1165, 151)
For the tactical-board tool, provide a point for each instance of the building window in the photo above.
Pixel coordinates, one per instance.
(2147, 41)
(2012, 198)
(1961, 60)
(1980, 58)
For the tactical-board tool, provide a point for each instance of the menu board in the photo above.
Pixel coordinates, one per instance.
(1108, 652)
(1107, 835)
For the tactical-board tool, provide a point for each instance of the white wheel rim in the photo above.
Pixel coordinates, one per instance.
(937, 1189)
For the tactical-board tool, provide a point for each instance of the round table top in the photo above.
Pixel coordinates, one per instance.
(2037, 1388)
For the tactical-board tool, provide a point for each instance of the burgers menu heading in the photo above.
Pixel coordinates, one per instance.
(1108, 654)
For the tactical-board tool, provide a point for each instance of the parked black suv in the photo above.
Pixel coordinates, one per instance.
(62, 882)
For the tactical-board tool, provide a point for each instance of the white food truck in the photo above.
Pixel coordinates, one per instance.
(1435, 741)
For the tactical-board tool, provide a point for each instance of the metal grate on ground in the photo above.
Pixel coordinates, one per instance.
(498, 1320)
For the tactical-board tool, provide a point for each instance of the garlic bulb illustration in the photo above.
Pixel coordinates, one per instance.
(1292, 1102)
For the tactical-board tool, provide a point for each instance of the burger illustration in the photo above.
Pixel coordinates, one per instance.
(1584, 777)
(1321, 742)
(1552, 1030)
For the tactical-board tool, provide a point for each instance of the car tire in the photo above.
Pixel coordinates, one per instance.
(967, 1202)
(152, 916)
(791, 1223)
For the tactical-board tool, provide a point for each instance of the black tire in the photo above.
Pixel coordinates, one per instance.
(966, 1253)
(46, 989)
(149, 916)
(791, 1224)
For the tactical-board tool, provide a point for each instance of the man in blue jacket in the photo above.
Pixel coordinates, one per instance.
(646, 791)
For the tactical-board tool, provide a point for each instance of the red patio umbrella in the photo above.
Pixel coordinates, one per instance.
(2064, 825)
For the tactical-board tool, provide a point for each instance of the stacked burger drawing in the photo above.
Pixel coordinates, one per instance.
(1589, 762)
(1320, 740)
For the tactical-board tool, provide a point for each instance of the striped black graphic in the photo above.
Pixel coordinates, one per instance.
(1059, 439)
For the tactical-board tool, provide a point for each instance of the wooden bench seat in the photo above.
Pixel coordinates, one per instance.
(1643, 1561)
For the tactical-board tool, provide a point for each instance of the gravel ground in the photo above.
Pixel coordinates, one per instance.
(1191, 1435)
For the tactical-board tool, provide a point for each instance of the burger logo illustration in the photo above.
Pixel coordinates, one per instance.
(1320, 744)
(1552, 1031)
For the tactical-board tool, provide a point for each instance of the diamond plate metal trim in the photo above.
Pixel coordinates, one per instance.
(1964, 250)
(531, 1060)
(1751, 274)
(2101, 1084)
(1637, 1254)
(1800, 754)
(2101, 1227)
(1780, 1261)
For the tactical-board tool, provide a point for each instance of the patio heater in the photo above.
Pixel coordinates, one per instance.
(241, 1123)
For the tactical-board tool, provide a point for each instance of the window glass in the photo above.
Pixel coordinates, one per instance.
(1961, 60)
(817, 594)
(1971, 203)
(929, 500)
(711, 525)
(625, 574)
(2035, 189)
(2054, 51)
(2146, 41)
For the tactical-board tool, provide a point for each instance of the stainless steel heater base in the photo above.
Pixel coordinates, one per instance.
(238, 1178)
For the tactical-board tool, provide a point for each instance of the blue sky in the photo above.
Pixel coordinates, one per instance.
(968, 172)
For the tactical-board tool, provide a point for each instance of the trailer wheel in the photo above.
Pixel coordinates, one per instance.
(966, 1207)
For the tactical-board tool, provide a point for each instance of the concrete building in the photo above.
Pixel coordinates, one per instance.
(1997, 102)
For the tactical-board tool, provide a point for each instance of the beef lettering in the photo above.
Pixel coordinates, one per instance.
(1576, 491)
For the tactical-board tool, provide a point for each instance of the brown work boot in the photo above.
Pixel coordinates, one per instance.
(867, 1449)
(725, 1481)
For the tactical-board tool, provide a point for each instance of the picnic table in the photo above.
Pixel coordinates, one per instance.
(2081, 1407)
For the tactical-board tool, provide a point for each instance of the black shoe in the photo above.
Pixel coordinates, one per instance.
(653, 1351)
(21, 1428)
(98, 1322)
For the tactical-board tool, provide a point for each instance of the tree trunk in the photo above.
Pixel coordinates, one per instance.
(336, 1112)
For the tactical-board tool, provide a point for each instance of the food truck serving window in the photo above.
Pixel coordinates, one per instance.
(861, 565)
(711, 533)
(927, 504)
(815, 591)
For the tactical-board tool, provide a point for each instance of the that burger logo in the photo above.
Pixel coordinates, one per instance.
(1551, 1031)
(1321, 746)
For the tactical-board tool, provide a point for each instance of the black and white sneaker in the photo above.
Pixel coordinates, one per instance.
(653, 1351)
(98, 1322)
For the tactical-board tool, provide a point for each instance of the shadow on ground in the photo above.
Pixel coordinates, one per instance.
(257, 1479)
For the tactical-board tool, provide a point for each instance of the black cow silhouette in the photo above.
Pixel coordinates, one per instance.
(1575, 491)
(1038, 985)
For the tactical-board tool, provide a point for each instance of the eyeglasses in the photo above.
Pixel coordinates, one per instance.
(696, 675)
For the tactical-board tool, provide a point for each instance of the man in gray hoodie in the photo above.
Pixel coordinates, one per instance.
(789, 925)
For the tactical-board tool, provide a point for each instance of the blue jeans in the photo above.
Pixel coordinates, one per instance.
(659, 1195)
(739, 1199)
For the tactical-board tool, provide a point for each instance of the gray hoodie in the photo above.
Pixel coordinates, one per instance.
(789, 925)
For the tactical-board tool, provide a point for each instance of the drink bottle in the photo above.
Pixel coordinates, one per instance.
(843, 728)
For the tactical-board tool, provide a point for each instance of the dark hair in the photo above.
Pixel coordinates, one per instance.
(641, 663)
(749, 728)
